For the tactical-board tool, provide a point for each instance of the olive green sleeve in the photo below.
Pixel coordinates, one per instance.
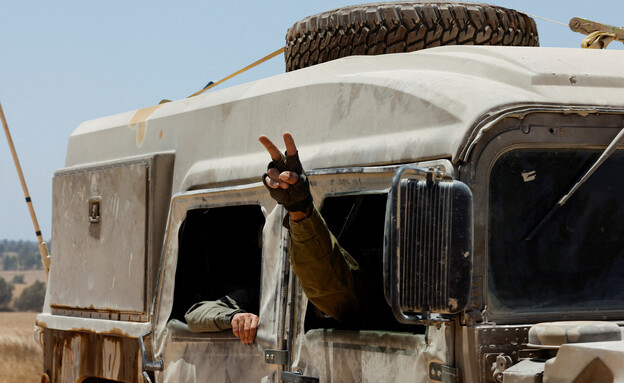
(212, 316)
(325, 270)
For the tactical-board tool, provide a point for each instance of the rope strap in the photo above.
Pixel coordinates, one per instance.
(265, 58)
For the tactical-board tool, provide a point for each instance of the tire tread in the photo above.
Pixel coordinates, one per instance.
(379, 28)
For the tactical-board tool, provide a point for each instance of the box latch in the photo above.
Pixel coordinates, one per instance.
(95, 209)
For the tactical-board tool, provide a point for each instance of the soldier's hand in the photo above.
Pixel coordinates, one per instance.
(285, 178)
(244, 326)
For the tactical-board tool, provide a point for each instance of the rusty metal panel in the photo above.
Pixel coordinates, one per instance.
(99, 224)
(71, 357)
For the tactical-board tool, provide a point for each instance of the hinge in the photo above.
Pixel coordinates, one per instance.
(443, 373)
(146, 364)
(276, 357)
(297, 377)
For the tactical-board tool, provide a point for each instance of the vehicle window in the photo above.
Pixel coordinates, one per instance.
(357, 221)
(576, 259)
(220, 251)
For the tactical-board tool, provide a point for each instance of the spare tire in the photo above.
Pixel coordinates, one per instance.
(372, 29)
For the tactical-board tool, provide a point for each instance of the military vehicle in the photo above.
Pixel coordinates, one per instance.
(478, 184)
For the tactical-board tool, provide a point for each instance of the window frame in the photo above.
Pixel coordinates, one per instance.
(534, 131)
(239, 195)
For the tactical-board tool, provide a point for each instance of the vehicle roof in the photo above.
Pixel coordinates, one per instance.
(355, 111)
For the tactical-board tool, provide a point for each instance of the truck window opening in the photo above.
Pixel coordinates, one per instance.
(576, 260)
(220, 251)
(357, 221)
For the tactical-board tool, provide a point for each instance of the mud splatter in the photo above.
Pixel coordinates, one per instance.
(139, 120)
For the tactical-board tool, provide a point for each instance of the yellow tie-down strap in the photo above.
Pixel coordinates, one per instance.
(597, 40)
(265, 58)
(598, 35)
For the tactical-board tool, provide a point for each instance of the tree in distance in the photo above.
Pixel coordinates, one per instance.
(18, 279)
(31, 298)
(6, 293)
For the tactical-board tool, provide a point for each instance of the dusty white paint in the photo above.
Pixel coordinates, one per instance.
(353, 111)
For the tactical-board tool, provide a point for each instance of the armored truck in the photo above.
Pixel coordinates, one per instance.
(479, 184)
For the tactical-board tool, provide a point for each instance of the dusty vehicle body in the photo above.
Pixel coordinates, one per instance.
(132, 219)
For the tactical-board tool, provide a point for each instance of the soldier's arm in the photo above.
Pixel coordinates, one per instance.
(325, 270)
(212, 316)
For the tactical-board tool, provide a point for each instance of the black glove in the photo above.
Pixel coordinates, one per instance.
(297, 197)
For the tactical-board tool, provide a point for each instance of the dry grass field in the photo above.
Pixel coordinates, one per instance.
(22, 358)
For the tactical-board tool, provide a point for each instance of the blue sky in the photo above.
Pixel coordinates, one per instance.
(69, 61)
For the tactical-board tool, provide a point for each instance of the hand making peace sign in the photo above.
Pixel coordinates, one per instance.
(285, 178)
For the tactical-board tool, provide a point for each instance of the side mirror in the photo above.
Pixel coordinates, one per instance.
(427, 245)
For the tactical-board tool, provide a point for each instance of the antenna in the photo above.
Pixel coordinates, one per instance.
(43, 247)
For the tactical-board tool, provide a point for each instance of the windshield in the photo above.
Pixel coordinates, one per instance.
(576, 260)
